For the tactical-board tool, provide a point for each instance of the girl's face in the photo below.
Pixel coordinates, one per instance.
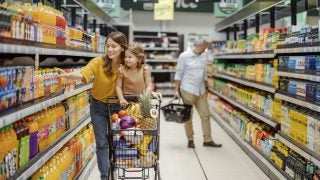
(113, 49)
(130, 59)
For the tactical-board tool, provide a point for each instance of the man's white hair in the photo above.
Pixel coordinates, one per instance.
(200, 42)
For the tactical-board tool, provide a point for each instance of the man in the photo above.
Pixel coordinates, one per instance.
(191, 84)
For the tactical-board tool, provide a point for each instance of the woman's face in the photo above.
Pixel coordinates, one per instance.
(130, 59)
(113, 49)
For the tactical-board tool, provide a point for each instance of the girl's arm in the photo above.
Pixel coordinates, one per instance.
(119, 91)
(147, 79)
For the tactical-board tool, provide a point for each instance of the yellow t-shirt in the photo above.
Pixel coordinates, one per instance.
(103, 85)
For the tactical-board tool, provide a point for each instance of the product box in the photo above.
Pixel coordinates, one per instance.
(300, 63)
(292, 63)
(301, 88)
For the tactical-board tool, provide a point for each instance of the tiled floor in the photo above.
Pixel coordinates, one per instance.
(177, 162)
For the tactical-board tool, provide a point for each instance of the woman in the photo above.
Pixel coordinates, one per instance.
(104, 70)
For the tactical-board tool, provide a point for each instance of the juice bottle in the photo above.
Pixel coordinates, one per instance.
(33, 131)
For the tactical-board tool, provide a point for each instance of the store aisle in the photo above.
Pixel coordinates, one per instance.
(177, 162)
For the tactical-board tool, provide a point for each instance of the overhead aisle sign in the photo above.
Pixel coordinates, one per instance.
(227, 7)
(164, 10)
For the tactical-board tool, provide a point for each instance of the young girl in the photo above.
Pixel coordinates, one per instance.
(134, 77)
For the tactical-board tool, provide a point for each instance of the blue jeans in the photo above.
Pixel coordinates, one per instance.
(99, 117)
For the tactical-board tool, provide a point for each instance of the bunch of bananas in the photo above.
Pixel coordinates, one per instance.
(134, 109)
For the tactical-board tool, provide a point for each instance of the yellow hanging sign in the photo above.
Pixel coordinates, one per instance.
(163, 10)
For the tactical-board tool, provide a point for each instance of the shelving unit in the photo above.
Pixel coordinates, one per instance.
(272, 171)
(19, 114)
(163, 71)
(304, 152)
(162, 50)
(261, 86)
(246, 109)
(23, 49)
(158, 60)
(26, 172)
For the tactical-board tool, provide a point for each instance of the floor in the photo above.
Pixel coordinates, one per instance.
(177, 162)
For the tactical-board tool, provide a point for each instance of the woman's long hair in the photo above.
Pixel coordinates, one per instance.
(120, 39)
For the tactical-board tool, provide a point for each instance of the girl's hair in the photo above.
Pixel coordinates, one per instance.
(120, 39)
(137, 50)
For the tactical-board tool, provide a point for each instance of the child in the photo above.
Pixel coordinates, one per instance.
(134, 77)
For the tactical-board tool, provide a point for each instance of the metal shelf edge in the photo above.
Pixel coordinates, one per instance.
(247, 83)
(309, 77)
(90, 165)
(245, 56)
(52, 151)
(13, 117)
(298, 50)
(24, 49)
(247, 110)
(299, 102)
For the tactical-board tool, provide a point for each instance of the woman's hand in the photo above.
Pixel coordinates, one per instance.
(124, 102)
(62, 73)
(156, 95)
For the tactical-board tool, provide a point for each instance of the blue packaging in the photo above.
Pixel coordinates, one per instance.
(292, 87)
(292, 63)
(311, 90)
(318, 64)
(312, 64)
(126, 153)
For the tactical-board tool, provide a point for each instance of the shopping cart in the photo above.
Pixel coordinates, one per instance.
(133, 151)
(176, 112)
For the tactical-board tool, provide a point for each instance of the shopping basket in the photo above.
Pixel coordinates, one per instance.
(177, 112)
(133, 150)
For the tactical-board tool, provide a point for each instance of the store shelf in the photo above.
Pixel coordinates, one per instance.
(249, 10)
(258, 55)
(259, 159)
(25, 174)
(311, 49)
(293, 99)
(256, 85)
(84, 175)
(246, 109)
(160, 60)
(163, 70)
(161, 49)
(22, 49)
(15, 116)
(303, 151)
(308, 77)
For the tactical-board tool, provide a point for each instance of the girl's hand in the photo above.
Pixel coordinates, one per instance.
(123, 102)
(156, 95)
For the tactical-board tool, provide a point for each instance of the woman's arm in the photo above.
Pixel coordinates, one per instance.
(75, 75)
(119, 91)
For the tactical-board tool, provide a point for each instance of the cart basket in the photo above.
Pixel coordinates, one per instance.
(177, 112)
